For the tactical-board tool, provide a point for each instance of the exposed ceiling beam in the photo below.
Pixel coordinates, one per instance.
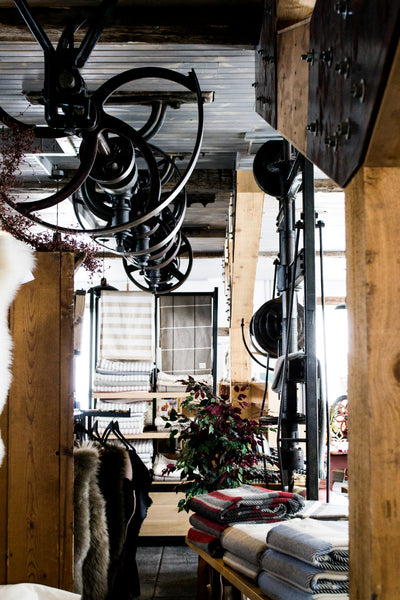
(123, 98)
(234, 23)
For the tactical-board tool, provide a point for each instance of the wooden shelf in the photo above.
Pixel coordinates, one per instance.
(146, 435)
(249, 589)
(139, 395)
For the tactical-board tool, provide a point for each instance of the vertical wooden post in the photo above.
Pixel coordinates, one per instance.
(38, 475)
(248, 218)
(373, 300)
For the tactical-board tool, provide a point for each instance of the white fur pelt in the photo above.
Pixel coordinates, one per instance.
(16, 264)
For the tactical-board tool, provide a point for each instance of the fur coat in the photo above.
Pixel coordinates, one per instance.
(91, 542)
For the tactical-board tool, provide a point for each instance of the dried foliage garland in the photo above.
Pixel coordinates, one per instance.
(15, 144)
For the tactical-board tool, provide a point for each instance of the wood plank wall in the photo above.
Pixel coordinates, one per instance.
(36, 479)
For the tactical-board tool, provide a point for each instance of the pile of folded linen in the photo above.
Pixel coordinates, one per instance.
(125, 342)
(131, 425)
(160, 464)
(122, 376)
(245, 503)
(167, 382)
(306, 559)
(145, 451)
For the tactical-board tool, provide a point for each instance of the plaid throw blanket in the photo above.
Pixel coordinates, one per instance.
(246, 503)
(205, 541)
(324, 544)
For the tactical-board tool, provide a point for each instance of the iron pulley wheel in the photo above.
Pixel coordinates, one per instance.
(265, 328)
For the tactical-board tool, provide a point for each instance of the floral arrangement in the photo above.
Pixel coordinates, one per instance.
(16, 142)
(220, 449)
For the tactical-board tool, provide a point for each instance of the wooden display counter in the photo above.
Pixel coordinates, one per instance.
(209, 586)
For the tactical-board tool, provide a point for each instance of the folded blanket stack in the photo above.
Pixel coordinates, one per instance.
(216, 511)
(306, 559)
(122, 376)
(160, 464)
(128, 425)
(145, 451)
(244, 544)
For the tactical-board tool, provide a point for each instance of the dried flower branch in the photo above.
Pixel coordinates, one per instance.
(16, 143)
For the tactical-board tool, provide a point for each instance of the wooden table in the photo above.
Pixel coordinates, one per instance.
(209, 582)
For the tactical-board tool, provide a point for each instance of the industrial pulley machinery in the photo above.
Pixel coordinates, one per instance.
(119, 190)
(283, 328)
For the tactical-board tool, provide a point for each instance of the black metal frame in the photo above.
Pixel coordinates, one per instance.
(284, 175)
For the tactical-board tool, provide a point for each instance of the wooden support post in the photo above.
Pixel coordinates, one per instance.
(248, 218)
(373, 300)
(37, 474)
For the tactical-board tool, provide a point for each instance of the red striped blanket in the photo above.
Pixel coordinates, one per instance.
(246, 503)
(205, 541)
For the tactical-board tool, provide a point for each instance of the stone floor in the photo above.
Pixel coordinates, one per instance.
(167, 572)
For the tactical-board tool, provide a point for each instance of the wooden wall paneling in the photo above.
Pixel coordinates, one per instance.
(265, 68)
(39, 526)
(373, 298)
(384, 148)
(248, 217)
(352, 52)
(292, 88)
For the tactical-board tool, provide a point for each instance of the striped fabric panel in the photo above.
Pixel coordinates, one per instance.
(126, 326)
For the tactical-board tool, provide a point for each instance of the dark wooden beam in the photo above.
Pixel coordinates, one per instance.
(124, 98)
(202, 181)
(234, 23)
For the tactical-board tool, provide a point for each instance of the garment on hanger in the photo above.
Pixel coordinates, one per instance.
(91, 542)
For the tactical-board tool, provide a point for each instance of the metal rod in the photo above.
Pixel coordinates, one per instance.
(320, 225)
(312, 454)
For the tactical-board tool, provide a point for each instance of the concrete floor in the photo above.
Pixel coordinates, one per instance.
(167, 572)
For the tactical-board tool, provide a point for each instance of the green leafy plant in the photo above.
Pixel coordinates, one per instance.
(219, 448)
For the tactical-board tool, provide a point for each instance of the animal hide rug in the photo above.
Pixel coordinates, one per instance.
(91, 542)
(16, 265)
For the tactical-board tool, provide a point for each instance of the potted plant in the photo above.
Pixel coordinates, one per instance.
(219, 448)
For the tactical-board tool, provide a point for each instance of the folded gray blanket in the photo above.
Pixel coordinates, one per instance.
(324, 544)
(301, 575)
(248, 540)
(275, 589)
(241, 565)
